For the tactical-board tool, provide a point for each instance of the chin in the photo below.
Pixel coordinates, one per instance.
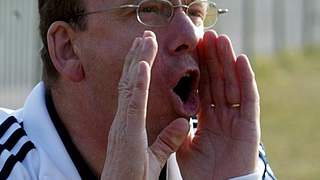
(159, 117)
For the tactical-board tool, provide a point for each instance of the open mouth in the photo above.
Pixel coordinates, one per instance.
(186, 91)
(184, 87)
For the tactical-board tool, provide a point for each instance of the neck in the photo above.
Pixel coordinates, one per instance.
(87, 130)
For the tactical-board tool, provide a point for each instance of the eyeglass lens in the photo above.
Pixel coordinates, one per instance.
(155, 12)
(159, 13)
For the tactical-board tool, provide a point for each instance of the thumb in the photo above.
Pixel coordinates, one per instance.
(169, 141)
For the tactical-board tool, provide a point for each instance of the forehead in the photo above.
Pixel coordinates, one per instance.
(92, 5)
(98, 4)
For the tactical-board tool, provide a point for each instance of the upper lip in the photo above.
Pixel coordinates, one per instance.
(190, 72)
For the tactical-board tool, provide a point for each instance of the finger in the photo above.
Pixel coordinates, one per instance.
(204, 87)
(148, 44)
(168, 141)
(228, 59)
(132, 54)
(138, 103)
(143, 49)
(137, 107)
(147, 53)
(207, 116)
(206, 101)
(214, 68)
(124, 83)
(149, 48)
(128, 131)
(249, 90)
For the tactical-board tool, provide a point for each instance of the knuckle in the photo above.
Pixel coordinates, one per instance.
(140, 85)
(118, 134)
(124, 92)
(166, 145)
(133, 107)
(124, 85)
(161, 153)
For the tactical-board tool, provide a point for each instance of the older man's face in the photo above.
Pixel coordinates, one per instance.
(175, 72)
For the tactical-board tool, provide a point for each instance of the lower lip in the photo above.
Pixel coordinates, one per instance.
(187, 109)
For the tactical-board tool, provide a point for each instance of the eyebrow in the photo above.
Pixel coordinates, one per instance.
(131, 2)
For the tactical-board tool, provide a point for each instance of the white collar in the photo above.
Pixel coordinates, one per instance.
(40, 129)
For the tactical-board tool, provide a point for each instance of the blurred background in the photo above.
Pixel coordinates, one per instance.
(282, 39)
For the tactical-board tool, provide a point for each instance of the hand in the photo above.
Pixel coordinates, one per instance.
(225, 144)
(128, 155)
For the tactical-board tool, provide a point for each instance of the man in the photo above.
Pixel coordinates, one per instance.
(121, 80)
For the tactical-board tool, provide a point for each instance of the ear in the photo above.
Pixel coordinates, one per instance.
(63, 51)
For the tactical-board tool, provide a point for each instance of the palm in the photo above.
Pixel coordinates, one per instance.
(214, 152)
(225, 143)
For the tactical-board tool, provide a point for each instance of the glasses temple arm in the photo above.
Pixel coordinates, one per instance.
(223, 11)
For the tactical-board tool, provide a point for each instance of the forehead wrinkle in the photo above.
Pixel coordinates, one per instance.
(96, 5)
(131, 2)
(176, 2)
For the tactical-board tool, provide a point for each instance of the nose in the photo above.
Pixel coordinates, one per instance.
(183, 35)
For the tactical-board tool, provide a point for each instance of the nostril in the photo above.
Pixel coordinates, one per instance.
(181, 48)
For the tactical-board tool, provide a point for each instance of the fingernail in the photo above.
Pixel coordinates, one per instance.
(146, 34)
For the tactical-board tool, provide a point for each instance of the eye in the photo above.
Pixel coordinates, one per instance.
(155, 12)
(198, 14)
(197, 10)
(150, 7)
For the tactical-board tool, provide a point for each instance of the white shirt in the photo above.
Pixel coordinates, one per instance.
(31, 148)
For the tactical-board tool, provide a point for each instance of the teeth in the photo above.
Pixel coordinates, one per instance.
(187, 75)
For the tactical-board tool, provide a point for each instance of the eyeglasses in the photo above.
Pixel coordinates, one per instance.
(159, 13)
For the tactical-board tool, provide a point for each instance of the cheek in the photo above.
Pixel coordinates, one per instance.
(160, 110)
(102, 63)
(105, 55)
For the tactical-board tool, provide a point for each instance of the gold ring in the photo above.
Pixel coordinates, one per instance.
(235, 105)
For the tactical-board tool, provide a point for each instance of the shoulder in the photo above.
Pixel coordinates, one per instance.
(264, 168)
(14, 146)
(4, 113)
